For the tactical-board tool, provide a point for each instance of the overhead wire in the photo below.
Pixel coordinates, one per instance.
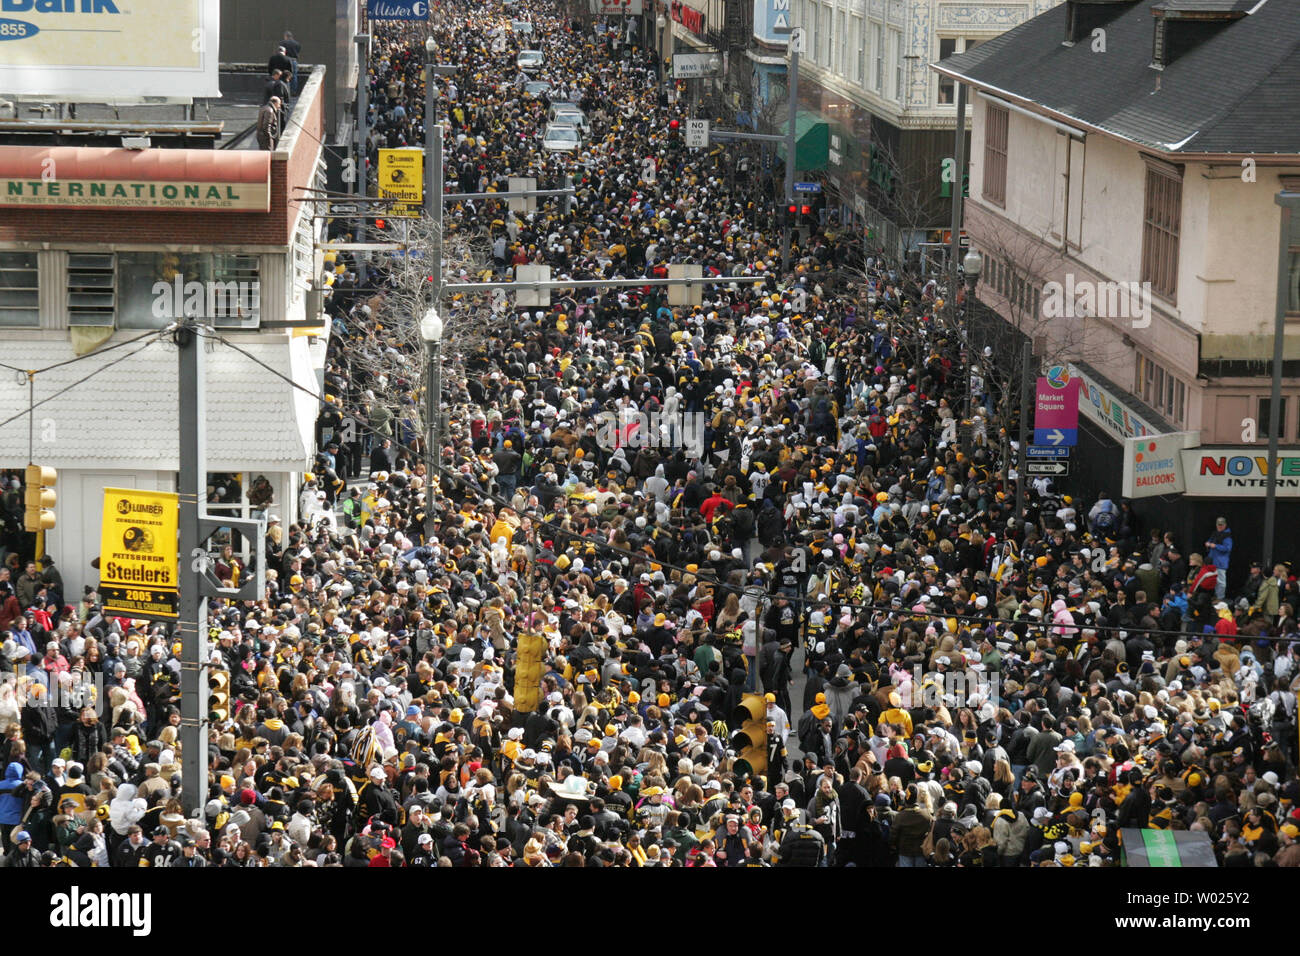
(33, 405)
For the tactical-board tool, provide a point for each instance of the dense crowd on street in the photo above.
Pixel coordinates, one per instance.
(648, 529)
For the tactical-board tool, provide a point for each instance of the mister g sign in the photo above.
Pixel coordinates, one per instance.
(398, 9)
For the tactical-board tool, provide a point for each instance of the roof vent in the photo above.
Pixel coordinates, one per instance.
(1183, 25)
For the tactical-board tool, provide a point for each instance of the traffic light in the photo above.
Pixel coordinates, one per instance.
(528, 672)
(218, 696)
(40, 498)
(673, 125)
(805, 210)
(750, 741)
(379, 224)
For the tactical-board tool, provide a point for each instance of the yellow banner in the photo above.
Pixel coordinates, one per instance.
(401, 176)
(138, 566)
(135, 195)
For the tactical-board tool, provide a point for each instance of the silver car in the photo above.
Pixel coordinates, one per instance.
(530, 60)
(560, 138)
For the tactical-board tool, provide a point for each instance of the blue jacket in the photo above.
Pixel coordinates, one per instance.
(1221, 549)
(11, 801)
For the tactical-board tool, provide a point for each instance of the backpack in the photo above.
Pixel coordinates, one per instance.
(1106, 519)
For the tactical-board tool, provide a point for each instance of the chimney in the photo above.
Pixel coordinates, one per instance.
(1180, 26)
(1084, 16)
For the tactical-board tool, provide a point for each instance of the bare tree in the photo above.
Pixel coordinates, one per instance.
(393, 353)
(1017, 264)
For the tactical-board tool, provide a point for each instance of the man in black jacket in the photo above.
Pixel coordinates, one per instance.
(23, 854)
(40, 722)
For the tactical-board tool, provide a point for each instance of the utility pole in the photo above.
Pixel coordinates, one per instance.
(1290, 203)
(192, 623)
(792, 87)
(954, 246)
(1022, 455)
(363, 127)
(197, 582)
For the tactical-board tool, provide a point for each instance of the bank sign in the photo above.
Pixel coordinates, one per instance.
(769, 16)
(1240, 472)
(84, 49)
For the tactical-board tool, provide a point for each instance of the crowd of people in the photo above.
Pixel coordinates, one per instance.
(725, 584)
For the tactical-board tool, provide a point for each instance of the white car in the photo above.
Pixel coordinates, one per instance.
(529, 60)
(568, 115)
(560, 138)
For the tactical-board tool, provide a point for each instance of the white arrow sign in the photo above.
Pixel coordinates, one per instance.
(1055, 436)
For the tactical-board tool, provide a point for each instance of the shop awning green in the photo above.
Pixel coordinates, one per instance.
(812, 138)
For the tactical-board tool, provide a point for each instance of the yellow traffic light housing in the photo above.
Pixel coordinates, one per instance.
(39, 498)
(218, 696)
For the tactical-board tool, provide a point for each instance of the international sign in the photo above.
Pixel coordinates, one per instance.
(1238, 472)
(401, 176)
(136, 194)
(138, 570)
(1056, 409)
(86, 49)
(397, 10)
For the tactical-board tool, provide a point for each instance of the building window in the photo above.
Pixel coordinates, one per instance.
(1162, 221)
(877, 58)
(859, 55)
(947, 47)
(899, 62)
(156, 288)
(824, 34)
(995, 154)
(19, 290)
(1161, 389)
(1265, 408)
(91, 288)
(841, 62)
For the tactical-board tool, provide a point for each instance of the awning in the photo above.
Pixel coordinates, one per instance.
(812, 137)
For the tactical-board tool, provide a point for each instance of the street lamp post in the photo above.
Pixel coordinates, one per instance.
(433, 163)
(431, 332)
(971, 266)
(660, 24)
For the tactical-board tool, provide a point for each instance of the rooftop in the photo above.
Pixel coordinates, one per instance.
(227, 122)
(1227, 89)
